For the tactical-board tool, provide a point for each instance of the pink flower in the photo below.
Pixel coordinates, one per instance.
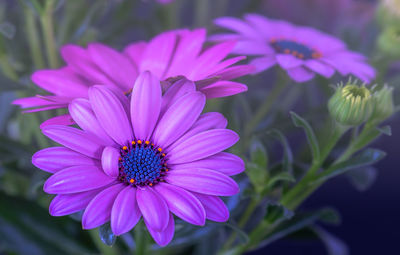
(301, 51)
(152, 157)
(169, 55)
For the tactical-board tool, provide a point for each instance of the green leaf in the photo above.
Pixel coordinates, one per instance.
(386, 130)
(311, 138)
(362, 178)
(25, 220)
(287, 154)
(258, 154)
(362, 159)
(257, 175)
(334, 245)
(282, 176)
(276, 213)
(243, 237)
(295, 223)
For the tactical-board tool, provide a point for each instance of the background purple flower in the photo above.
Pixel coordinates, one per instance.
(168, 55)
(301, 51)
(153, 157)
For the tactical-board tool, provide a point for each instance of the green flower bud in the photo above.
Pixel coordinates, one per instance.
(351, 105)
(389, 41)
(383, 104)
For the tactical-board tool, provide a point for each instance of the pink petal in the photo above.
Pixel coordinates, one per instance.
(222, 162)
(164, 237)
(203, 181)
(158, 54)
(321, 68)
(300, 74)
(111, 114)
(109, 161)
(252, 47)
(182, 203)
(61, 82)
(261, 24)
(116, 65)
(76, 179)
(237, 25)
(125, 212)
(235, 72)
(99, 209)
(175, 91)
(287, 61)
(145, 105)
(36, 101)
(206, 121)
(188, 48)
(179, 118)
(216, 209)
(54, 159)
(263, 63)
(153, 208)
(74, 139)
(78, 58)
(58, 120)
(56, 106)
(228, 62)
(202, 145)
(81, 111)
(223, 89)
(135, 52)
(209, 59)
(65, 204)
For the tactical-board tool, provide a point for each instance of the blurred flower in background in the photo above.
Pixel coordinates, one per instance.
(301, 51)
(168, 55)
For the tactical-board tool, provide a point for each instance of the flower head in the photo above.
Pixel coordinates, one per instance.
(177, 53)
(351, 105)
(154, 156)
(301, 51)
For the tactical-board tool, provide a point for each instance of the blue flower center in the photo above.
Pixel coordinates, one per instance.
(294, 48)
(141, 163)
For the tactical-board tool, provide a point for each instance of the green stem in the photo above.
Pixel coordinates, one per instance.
(140, 239)
(242, 222)
(367, 135)
(33, 39)
(48, 32)
(301, 190)
(265, 107)
(201, 13)
(7, 69)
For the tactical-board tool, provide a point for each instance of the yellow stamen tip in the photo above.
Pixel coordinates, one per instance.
(125, 148)
(131, 180)
(159, 149)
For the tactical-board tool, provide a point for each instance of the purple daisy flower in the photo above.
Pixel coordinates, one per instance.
(168, 55)
(301, 51)
(152, 157)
